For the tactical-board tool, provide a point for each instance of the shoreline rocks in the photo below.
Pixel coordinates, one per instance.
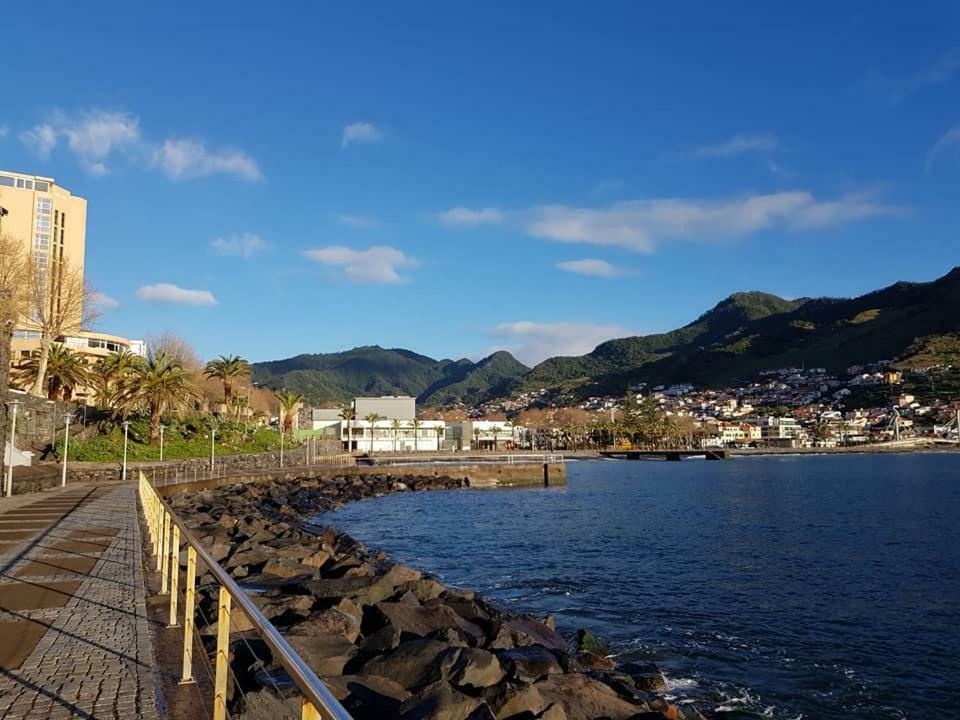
(388, 640)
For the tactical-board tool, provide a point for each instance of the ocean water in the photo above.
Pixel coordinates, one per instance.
(802, 587)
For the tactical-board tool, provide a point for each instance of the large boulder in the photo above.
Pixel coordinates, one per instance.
(529, 664)
(530, 631)
(584, 698)
(475, 669)
(646, 676)
(417, 620)
(367, 698)
(324, 654)
(438, 701)
(331, 621)
(413, 664)
(508, 700)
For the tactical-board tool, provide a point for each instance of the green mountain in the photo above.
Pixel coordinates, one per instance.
(917, 324)
(750, 332)
(373, 370)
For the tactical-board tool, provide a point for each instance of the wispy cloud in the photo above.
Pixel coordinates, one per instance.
(465, 217)
(358, 221)
(104, 302)
(948, 140)
(360, 132)
(940, 72)
(590, 266)
(380, 264)
(4, 130)
(168, 293)
(93, 136)
(739, 144)
(99, 139)
(533, 342)
(244, 245)
(183, 159)
(641, 225)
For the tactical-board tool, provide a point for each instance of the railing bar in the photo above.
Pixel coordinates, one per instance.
(305, 679)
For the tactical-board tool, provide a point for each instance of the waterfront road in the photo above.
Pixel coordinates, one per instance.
(74, 636)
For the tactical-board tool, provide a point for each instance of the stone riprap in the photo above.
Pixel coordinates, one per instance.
(388, 640)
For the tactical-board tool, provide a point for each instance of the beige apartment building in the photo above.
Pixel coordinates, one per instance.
(51, 222)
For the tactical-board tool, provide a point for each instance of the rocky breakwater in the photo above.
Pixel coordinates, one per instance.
(387, 640)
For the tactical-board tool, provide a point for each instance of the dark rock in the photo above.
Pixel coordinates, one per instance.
(413, 664)
(475, 669)
(646, 676)
(507, 701)
(597, 662)
(587, 643)
(325, 654)
(583, 698)
(417, 620)
(530, 663)
(530, 631)
(367, 697)
(330, 622)
(438, 701)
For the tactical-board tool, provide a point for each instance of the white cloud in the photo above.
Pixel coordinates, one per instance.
(165, 292)
(532, 342)
(739, 144)
(104, 302)
(360, 132)
(41, 139)
(358, 221)
(942, 71)
(590, 266)
(461, 216)
(93, 136)
(640, 225)
(183, 159)
(4, 130)
(378, 264)
(244, 245)
(947, 141)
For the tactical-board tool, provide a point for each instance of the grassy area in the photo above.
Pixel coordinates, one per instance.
(182, 440)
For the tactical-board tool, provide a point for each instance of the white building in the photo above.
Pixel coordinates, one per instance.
(482, 435)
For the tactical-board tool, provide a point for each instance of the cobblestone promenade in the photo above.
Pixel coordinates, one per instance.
(75, 637)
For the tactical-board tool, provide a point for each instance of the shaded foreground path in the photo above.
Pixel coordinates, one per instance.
(74, 636)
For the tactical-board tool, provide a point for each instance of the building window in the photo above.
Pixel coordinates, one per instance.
(41, 186)
(5, 180)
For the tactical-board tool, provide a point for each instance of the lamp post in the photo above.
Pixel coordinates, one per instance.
(66, 447)
(126, 429)
(281, 447)
(162, 428)
(13, 405)
(213, 440)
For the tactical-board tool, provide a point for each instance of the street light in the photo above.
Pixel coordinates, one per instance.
(13, 405)
(162, 428)
(213, 436)
(126, 428)
(67, 417)
(281, 447)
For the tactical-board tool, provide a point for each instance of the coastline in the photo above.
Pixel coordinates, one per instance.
(389, 640)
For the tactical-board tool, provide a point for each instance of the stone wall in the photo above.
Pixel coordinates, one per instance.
(37, 420)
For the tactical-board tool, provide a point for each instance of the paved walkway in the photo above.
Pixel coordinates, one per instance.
(75, 636)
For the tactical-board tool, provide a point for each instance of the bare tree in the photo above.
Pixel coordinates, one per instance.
(61, 302)
(177, 348)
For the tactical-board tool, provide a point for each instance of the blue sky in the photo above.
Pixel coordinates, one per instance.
(454, 178)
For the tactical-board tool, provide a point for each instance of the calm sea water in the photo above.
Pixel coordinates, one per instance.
(814, 587)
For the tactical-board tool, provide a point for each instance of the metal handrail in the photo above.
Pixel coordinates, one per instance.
(166, 530)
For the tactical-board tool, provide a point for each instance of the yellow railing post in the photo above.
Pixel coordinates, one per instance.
(158, 550)
(165, 556)
(308, 711)
(223, 656)
(174, 575)
(188, 602)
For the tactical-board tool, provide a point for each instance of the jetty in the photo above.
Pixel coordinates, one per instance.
(673, 455)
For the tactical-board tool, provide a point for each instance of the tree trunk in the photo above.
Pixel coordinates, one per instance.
(227, 393)
(41, 367)
(154, 423)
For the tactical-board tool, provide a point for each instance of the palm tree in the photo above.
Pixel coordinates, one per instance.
(65, 371)
(476, 438)
(107, 376)
(349, 414)
(227, 368)
(416, 434)
(373, 418)
(495, 431)
(395, 426)
(158, 383)
(288, 406)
